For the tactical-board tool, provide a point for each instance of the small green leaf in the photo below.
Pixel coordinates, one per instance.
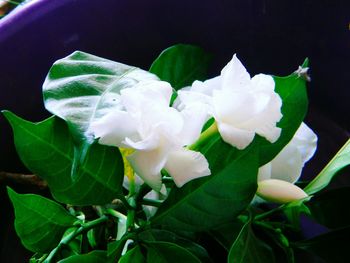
(81, 88)
(181, 64)
(46, 148)
(332, 246)
(210, 201)
(96, 256)
(40, 223)
(166, 252)
(248, 248)
(134, 255)
(339, 161)
(330, 208)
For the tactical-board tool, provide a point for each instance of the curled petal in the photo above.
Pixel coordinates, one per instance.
(112, 128)
(264, 172)
(194, 117)
(287, 165)
(263, 82)
(234, 108)
(148, 164)
(207, 87)
(146, 93)
(236, 137)
(306, 142)
(185, 165)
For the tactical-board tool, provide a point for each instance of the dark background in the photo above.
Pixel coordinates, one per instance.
(268, 36)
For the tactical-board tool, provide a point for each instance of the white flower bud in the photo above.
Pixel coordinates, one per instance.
(279, 191)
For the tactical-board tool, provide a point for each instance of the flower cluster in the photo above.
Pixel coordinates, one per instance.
(160, 135)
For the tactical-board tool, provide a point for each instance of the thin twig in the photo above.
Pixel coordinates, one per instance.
(31, 179)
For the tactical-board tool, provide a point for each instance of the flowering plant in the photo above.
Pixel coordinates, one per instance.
(163, 165)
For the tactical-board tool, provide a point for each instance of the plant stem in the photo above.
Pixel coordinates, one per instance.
(207, 134)
(151, 202)
(116, 214)
(269, 213)
(83, 228)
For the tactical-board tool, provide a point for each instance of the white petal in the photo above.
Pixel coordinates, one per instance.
(236, 137)
(148, 164)
(287, 165)
(195, 116)
(263, 82)
(149, 143)
(187, 98)
(306, 142)
(234, 75)
(185, 165)
(146, 93)
(233, 107)
(112, 128)
(264, 172)
(207, 87)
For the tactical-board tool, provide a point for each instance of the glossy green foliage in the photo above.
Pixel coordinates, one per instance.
(210, 201)
(40, 223)
(46, 148)
(339, 161)
(82, 88)
(181, 64)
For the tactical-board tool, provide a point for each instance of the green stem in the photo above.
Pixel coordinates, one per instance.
(130, 220)
(206, 135)
(269, 213)
(151, 202)
(83, 228)
(116, 214)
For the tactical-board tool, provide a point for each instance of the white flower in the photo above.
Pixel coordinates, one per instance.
(157, 133)
(242, 106)
(288, 164)
(276, 178)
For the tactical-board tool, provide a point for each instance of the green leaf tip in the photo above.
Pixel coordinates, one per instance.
(305, 63)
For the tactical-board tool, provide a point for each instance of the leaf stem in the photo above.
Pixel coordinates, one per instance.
(83, 228)
(207, 134)
(151, 202)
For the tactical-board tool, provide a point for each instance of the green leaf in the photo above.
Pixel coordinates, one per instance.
(210, 201)
(81, 88)
(167, 236)
(134, 255)
(227, 233)
(330, 208)
(166, 252)
(181, 64)
(46, 148)
(39, 222)
(96, 256)
(248, 248)
(292, 90)
(339, 161)
(332, 247)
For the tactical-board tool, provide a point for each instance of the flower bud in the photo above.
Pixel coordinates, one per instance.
(279, 191)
